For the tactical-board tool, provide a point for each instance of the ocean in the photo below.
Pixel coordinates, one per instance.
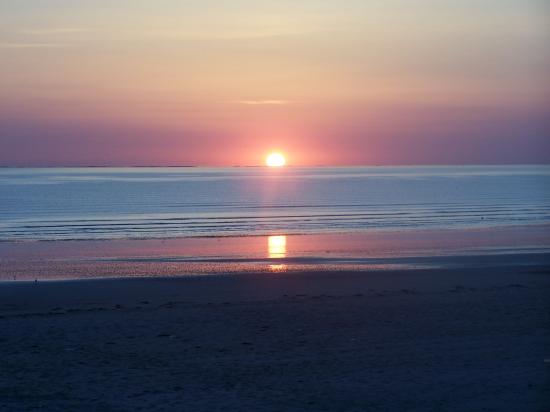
(153, 203)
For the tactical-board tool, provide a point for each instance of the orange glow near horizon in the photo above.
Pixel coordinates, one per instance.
(275, 159)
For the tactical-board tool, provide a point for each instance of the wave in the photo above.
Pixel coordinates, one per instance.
(108, 204)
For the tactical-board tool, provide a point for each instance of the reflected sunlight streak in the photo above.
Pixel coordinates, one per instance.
(276, 246)
(276, 249)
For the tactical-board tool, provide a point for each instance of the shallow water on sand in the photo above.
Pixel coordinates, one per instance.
(365, 252)
(124, 203)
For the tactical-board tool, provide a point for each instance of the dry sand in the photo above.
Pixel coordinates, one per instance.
(419, 340)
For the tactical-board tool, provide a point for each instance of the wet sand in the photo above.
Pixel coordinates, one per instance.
(447, 339)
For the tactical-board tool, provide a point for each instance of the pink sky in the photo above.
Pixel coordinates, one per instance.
(173, 83)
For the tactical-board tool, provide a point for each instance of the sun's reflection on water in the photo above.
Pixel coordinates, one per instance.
(277, 268)
(276, 249)
(276, 246)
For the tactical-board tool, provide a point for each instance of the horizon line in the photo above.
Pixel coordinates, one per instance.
(264, 166)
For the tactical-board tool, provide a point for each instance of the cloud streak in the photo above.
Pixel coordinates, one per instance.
(263, 102)
(32, 45)
(59, 30)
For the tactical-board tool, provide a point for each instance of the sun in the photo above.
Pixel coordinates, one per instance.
(275, 159)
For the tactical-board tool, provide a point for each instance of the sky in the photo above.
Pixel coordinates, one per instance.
(221, 83)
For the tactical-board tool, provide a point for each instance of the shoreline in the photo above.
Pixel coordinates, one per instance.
(176, 268)
(383, 250)
(332, 232)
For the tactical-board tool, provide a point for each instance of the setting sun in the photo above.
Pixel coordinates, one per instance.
(275, 159)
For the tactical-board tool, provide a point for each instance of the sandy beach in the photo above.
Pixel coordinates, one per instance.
(441, 340)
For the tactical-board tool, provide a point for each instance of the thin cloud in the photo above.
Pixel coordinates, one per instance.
(263, 102)
(59, 30)
(32, 45)
(214, 35)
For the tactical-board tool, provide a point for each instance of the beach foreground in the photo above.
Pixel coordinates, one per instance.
(442, 339)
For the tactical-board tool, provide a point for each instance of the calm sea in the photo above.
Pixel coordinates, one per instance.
(108, 203)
